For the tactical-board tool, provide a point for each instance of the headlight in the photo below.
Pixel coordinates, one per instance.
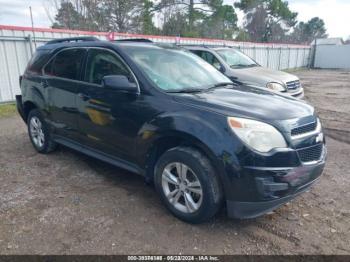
(258, 135)
(276, 87)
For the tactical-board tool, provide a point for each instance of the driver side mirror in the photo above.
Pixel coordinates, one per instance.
(119, 83)
(219, 67)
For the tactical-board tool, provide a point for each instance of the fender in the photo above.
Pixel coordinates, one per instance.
(36, 97)
(190, 128)
(33, 93)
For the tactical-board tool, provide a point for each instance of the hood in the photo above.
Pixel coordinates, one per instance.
(260, 75)
(250, 102)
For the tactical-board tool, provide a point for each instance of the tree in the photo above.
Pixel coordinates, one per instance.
(78, 14)
(267, 20)
(201, 18)
(192, 11)
(147, 14)
(307, 32)
(242, 35)
(122, 15)
(221, 23)
(68, 17)
(176, 25)
(99, 15)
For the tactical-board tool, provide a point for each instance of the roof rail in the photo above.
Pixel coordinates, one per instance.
(141, 40)
(203, 45)
(73, 39)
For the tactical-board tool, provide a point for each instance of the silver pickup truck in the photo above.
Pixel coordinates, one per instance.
(242, 69)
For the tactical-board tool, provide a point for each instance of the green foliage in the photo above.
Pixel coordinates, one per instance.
(242, 36)
(307, 32)
(222, 22)
(176, 25)
(279, 10)
(147, 24)
(68, 17)
(265, 20)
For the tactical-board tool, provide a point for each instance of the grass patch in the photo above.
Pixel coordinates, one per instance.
(7, 110)
(294, 70)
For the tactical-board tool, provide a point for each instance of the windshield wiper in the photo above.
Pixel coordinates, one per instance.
(221, 85)
(187, 90)
(198, 90)
(242, 65)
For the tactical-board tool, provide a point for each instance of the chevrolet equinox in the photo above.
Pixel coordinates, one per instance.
(164, 113)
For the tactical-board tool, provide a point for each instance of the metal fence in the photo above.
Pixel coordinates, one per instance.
(332, 57)
(17, 45)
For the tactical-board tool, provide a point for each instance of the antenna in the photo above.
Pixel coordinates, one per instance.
(31, 18)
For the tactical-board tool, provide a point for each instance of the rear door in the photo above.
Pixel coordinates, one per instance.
(60, 80)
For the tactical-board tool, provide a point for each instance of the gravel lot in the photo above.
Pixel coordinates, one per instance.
(68, 203)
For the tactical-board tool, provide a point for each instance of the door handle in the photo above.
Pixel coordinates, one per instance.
(83, 96)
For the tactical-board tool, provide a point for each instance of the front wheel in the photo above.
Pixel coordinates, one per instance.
(188, 185)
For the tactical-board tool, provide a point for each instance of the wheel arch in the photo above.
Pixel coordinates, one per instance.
(174, 139)
(27, 107)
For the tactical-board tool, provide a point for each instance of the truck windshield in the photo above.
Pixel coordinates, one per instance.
(236, 59)
(176, 70)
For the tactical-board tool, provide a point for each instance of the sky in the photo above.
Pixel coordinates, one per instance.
(335, 13)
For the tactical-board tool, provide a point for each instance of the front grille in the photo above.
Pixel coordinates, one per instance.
(309, 154)
(292, 85)
(304, 129)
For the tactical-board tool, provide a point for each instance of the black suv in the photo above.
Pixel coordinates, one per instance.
(166, 114)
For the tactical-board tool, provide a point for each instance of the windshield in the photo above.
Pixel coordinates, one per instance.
(235, 58)
(176, 70)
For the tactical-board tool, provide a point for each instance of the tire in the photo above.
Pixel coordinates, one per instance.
(187, 199)
(39, 132)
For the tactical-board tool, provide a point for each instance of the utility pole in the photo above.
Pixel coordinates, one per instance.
(31, 18)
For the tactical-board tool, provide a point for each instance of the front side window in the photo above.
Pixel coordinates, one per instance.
(173, 69)
(66, 64)
(211, 59)
(102, 63)
(235, 58)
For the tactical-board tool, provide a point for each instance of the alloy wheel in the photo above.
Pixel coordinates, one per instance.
(182, 187)
(36, 131)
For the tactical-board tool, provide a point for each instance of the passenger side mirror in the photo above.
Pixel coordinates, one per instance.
(119, 83)
(222, 68)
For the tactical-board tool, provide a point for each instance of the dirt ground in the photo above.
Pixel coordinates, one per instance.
(68, 203)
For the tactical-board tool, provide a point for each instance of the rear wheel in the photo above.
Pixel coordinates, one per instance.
(188, 185)
(39, 133)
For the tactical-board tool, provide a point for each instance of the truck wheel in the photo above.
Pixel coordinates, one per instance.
(39, 132)
(188, 185)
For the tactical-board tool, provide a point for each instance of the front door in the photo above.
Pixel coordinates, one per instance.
(107, 117)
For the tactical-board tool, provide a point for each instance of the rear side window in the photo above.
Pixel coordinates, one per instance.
(101, 63)
(37, 61)
(66, 64)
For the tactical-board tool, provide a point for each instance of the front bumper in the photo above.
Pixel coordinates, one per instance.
(299, 93)
(272, 187)
(245, 210)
